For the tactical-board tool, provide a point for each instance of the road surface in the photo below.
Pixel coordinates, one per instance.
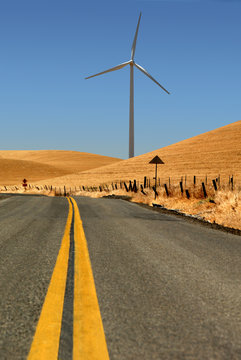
(142, 284)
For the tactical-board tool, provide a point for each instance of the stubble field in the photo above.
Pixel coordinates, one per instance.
(212, 155)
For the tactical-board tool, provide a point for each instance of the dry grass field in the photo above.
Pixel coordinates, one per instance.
(222, 207)
(207, 156)
(46, 164)
(214, 153)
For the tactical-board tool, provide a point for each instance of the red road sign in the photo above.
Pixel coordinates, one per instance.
(25, 183)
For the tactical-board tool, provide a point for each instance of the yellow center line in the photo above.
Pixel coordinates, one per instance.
(88, 334)
(45, 344)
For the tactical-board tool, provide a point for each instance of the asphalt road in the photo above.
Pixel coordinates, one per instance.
(167, 288)
(31, 230)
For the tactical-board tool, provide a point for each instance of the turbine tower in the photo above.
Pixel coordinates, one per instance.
(132, 63)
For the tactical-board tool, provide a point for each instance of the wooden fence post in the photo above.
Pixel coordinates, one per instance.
(181, 187)
(166, 189)
(187, 194)
(214, 185)
(144, 182)
(127, 190)
(142, 190)
(232, 183)
(130, 185)
(204, 190)
(156, 193)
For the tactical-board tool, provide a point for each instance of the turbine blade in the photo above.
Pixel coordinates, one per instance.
(111, 69)
(147, 74)
(133, 49)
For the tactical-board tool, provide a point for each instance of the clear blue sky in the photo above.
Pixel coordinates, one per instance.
(193, 48)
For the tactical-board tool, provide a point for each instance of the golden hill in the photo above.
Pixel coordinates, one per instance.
(46, 164)
(209, 154)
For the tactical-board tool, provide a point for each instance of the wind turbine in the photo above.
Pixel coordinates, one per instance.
(132, 63)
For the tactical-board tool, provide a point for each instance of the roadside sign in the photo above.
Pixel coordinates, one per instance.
(156, 160)
(25, 183)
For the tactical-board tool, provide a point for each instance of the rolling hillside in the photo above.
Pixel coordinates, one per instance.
(212, 153)
(41, 165)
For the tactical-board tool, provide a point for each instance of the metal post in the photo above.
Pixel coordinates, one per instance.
(155, 181)
(131, 113)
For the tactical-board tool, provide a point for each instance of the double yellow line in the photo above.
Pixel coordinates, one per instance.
(88, 334)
